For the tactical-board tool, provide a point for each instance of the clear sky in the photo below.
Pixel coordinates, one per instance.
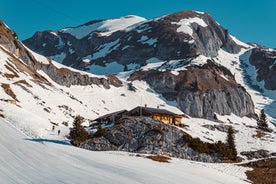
(248, 20)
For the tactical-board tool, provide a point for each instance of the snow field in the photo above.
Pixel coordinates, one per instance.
(30, 160)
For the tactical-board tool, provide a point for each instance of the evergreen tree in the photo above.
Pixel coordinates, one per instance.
(100, 132)
(125, 68)
(232, 155)
(78, 134)
(262, 121)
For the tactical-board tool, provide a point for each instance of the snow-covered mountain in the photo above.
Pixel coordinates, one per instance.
(184, 62)
(104, 44)
(169, 44)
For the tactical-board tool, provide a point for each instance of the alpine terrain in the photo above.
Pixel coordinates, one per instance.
(185, 63)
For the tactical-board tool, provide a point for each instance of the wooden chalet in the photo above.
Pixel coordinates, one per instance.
(163, 115)
(108, 118)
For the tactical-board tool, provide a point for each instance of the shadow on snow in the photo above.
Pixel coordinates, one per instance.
(50, 141)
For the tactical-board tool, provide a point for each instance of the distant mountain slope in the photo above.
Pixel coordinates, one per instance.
(173, 42)
(177, 36)
(36, 92)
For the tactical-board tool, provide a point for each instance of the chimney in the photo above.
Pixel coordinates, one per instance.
(157, 106)
(146, 105)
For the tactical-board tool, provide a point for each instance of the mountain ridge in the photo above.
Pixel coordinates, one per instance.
(160, 38)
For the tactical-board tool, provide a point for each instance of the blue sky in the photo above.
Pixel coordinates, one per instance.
(248, 20)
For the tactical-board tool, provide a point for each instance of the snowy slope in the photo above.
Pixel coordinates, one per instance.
(29, 160)
(37, 105)
(245, 74)
(105, 27)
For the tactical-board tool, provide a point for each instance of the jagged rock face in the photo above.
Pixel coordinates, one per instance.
(222, 101)
(67, 78)
(144, 135)
(265, 62)
(62, 76)
(22, 59)
(177, 36)
(201, 91)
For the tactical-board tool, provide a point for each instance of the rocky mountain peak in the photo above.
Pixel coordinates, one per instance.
(133, 41)
(175, 17)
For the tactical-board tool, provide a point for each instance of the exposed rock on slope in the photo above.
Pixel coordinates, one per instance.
(201, 91)
(18, 53)
(265, 62)
(177, 36)
(60, 75)
(144, 135)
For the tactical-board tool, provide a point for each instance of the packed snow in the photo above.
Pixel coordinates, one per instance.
(146, 40)
(105, 27)
(59, 57)
(185, 25)
(33, 160)
(105, 49)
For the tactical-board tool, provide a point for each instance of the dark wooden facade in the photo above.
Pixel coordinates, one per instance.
(163, 115)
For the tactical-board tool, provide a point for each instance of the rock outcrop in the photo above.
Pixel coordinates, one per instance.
(145, 135)
(201, 91)
(264, 61)
(67, 77)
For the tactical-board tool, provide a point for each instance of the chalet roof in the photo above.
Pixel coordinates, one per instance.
(157, 110)
(111, 114)
(145, 109)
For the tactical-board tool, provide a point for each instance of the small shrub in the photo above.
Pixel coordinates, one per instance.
(232, 152)
(100, 132)
(131, 87)
(159, 158)
(259, 134)
(196, 144)
(262, 121)
(125, 68)
(1, 115)
(220, 148)
(65, 123)
(215, 117)
(158, 129)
